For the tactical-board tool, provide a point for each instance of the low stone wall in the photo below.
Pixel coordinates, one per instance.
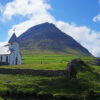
(3, 63)
(34, 72)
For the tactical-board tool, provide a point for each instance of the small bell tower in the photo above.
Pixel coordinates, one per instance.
(15, 55)
(13, 43)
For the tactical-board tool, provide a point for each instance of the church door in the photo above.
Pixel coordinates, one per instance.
(16, 61)
(6, 59)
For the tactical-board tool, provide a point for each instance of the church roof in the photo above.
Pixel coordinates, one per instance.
(5, 50)
(13, 38)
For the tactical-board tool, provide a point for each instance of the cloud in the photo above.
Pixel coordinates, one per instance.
(37, 19)
(84, 35)
(27, 8)
(1, 12)
(38, 12)
(96, 18)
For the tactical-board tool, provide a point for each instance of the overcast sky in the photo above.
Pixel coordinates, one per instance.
(77, 18)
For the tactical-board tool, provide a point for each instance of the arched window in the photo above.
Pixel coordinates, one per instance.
(6, 59)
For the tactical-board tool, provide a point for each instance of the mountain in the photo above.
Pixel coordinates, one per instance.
(47, 38)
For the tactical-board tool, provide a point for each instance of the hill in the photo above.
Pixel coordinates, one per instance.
(47, 38)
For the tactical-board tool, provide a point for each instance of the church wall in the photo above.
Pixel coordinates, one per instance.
(3, 58)
(15, 57)
(12, 59)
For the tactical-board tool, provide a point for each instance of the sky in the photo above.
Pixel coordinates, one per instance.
(78, 18)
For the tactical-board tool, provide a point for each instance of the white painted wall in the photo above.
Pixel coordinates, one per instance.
(3, 58)
(13, 55)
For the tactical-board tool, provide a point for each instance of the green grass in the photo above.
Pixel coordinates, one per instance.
(44, 62)
(57, 86)
(88, 78)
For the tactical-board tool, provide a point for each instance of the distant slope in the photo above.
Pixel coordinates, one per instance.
(47, 37)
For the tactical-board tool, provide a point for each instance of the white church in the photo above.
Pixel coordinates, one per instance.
(10, 53)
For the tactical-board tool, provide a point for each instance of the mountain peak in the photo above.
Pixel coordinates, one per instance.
(46, 25)
(47, 37)
(40, 28)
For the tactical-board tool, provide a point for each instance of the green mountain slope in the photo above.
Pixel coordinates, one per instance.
(47, 38)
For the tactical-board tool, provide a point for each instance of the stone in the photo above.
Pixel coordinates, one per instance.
(71, 67)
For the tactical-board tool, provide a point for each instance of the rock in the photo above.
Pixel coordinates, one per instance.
(73, 65)
(3, 63)
(8, 82)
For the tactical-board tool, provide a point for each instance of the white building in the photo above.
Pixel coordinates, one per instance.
(10, 53)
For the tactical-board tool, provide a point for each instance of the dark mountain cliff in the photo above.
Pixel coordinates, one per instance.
(47, 37)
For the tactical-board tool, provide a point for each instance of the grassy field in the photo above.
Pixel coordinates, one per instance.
(41, 85)
(56, 86)
(45, 62)
(88, 79)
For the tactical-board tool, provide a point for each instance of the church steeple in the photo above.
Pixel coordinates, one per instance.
(13, 39)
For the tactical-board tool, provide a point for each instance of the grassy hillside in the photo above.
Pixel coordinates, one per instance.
(19, 86)
(47, 38)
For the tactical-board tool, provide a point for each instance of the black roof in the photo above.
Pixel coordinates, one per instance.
(13, 39)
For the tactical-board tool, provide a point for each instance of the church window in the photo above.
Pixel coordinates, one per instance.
(6, 59)
(11, 43)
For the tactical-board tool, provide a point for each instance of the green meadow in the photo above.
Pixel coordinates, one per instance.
(46, 62)
(57, 86)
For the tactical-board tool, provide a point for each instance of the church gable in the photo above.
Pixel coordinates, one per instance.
(11, 53)
(13, 39)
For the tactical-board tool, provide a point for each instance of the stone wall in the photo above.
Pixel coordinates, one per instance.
(33, 72)
(3, 63)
